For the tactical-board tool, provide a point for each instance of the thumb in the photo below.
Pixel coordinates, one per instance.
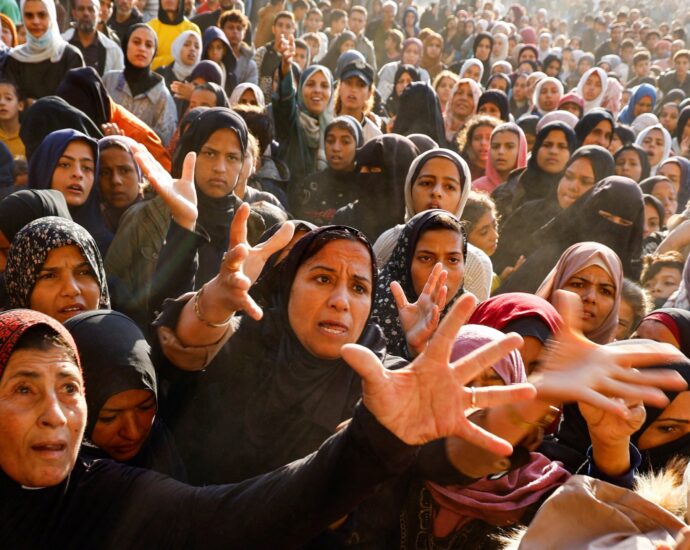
(366, 364)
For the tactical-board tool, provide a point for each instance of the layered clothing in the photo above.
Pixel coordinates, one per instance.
(419, 112)
(678, 322)
(597, 101)
(178, 70)
(684, 184)
(228, 64)
(667, 144)
(167, 30)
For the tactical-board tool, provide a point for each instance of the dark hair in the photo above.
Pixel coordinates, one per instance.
(448, 222)
(297, 4)
(258, 123)
(337, 15)
(641, 56)
(477, 205)
(638, 300)
(233, 16)
(283, 15)
(12, 83)
(360, 9)
(316, 11)
(653, 263)
(477, 121)
(42, 337)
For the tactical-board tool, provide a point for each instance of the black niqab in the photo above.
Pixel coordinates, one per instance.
(419, 112)
(84, 87)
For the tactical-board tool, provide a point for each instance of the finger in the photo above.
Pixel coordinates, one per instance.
(399, 296)
(238, 227)
(188, 167)
(569, 305)
(441, 344)
(367, 365)
(663, 379)
(634, 392)
(479, 437)
(642, 353)
(470, 366)
(432, 280)
(494, 396)
(251, 308)
(234, 258)
(599, 401)
(440, 283)
(441, 298)
(278, 241)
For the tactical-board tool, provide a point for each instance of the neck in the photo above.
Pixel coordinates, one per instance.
(236, 49)
(10, 127)
(86, 39)
(355, 113)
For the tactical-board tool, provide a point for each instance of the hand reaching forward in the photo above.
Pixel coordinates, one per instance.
(428, 399)
(608, 427)
(574, 368)
(420, 319)
(229, 290)
(179, 195)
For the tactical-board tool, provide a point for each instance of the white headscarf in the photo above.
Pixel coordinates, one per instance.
(182, 70)
(49, 46)
(537, 91)
(448, 114)
(667, 144)
(596, 102)
(467, 64)
(499, 36)
(241, 88)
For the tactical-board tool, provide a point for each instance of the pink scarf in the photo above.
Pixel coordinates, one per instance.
(492, 179)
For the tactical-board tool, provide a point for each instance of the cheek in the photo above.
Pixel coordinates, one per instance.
(420, 273)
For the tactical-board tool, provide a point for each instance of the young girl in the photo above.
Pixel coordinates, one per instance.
(11, 104)
(508, 151)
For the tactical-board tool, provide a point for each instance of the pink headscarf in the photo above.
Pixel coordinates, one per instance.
(576, 258)
(496, 501)
(492, 179)
(528, 35)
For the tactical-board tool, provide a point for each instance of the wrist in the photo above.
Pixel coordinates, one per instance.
(611, 457)
(211, 303)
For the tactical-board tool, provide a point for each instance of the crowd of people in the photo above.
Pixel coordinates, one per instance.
(344, 274)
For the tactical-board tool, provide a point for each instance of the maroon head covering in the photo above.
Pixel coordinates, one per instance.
(15, 322)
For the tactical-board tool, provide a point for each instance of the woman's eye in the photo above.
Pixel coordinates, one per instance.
(424, 258)
(360, 289)
(71, 388)
(323, 279)
(106, 419)
(22, 389)
(666, 429)
(46, 275)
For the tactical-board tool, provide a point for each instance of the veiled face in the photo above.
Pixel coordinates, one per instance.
(672, 424)
(42, 416)
(330, 298)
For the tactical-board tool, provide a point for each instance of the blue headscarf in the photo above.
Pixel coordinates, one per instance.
(41, 168)
(415, 25)
(627, 115)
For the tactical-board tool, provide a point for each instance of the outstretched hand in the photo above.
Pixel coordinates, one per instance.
(574, 368)
(179, 195)
(420, 319)
(428, 399)
(242, 265)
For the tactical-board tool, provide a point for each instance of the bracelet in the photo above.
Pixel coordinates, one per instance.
(197, 311)
(520, 422)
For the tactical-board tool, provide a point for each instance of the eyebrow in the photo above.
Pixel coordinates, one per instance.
(52, 269)
(74, 158)
(432, 253)
(679, 420)
(331, 270)
(151, 398)
(584, 279)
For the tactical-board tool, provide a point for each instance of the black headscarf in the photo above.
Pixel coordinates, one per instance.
(625, 133)
(647, 184)
(487, 64)
(394, 99)
(498, 98)
(399, 268)
(27, 205)
(574, 440)
(419, 112)
(680, 318)
(683, 119)
(394, 155)
(140, 80)
(588, 122)
(31, 247)
(330, 60)
(423, 142)
(550, 58)
(163, 16)
(641, 154)
(41, 169)
(84, 87)
(601, 159)
(528, 123)
(501, 76)
(49, 114)
(209, 71)
(229, 60)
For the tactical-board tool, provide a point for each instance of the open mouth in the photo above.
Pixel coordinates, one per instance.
(331, 327)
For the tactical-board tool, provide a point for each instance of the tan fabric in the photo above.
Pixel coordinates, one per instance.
(587, 513)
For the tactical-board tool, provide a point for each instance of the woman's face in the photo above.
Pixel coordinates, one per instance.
(498, 84)
(36, 18)
(628, 164)
(650, 329)
(672, 171)
(473, 72)
(443, 90)
(190, 50)
(626, 318)
(666, 193)
(499, 44)
(202, 98)
(124, 423)
(66, 285)
(119, 184)
(654, 143)
(484, 234)
(438, 185)
(672, 424)
(480, 145)
(504, 151)
(410, 19)
(73, 174)
(669, 117)
(664, 283)
(584, 65)
(141, 47)
(347, 45)
(652, 223)
(411, 55)
(330, 298)
(434, 246)
(520, 89)
(615, 143)
(433, 49)
(600, 134)
(644, 105)
(549, 96)
(576, 181)
(463, 101)
(41, 403)
(248, 97)
(592, 87)
(340, 149)
(490, 109)
(483, 50)
(316, 93)
(403, 82)
(216, 51)
(354, 94)
(596, 289)
(554, 153)
(553, 69)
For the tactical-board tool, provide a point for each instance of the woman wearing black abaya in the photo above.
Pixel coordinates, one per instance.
(595, 128)
(344, 42)
(555, 143)
(382, 165)
(419, 112)
(405, 75)
(670, 325)
(611, 213)
(520, 233)
(49, 114)
(481, 49)
(122, 399)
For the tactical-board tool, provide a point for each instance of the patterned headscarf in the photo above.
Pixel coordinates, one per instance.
(31, 247)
